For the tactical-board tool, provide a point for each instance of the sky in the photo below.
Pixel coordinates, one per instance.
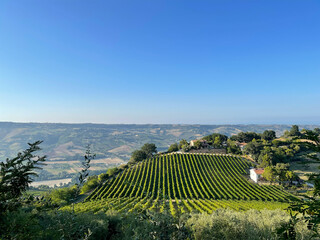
(182, 62)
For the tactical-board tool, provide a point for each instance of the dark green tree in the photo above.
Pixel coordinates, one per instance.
(316, 131)
(245, 137)
(232, 147)
(173, 148)
(16, 175)
(268, 135)
(253, 148)
(138, 156)
(294, 131)
(149, 149)
(211, 138)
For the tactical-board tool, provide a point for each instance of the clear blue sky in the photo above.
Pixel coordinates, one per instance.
(204, 62)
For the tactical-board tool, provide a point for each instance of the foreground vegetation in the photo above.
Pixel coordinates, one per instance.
(221, 224)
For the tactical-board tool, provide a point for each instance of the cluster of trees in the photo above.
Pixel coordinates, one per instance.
(268, 153)
(215, 140)
(183, 144)
(294, 132)
(232, 147)
(66, 195)
(279, 173)
(148, 150)
(247, 137)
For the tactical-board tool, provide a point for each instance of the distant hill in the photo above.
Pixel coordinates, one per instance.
(64, 144)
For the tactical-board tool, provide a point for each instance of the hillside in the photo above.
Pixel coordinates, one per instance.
(184, 182)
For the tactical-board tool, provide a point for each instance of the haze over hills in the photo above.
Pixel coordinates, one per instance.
(64, 144)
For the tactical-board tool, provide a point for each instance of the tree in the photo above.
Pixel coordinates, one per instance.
(103, 177)
(197, 144)
(149, 149)
(316, 131)
(112, 171)
(211, 138)
(268, 135)
(253, 148)
(290, 176)
(182, 143)
(16, 175)
(138, 156)
(294, 131)
(173, 148)
(232, 147)
(185, 148)
(265, 160)
(269, 174)
(217, 142)
(281, 170)
(83, 174)
(245, 137)
(90, 184)
(309, 210)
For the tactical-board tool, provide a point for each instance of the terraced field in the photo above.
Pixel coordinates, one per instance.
(185, 183)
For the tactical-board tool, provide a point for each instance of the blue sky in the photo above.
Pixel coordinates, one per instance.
(203, 62)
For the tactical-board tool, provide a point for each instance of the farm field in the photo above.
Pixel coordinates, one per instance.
(185, 183)
(51, 183)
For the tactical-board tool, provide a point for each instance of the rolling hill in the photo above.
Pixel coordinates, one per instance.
(184, 183)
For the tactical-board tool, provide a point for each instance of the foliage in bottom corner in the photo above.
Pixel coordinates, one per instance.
(53, 225)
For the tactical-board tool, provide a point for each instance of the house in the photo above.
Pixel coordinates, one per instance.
(242, 145)
(204, 143)
(256, 174)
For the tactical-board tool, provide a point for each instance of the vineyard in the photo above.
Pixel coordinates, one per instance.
(185, 183)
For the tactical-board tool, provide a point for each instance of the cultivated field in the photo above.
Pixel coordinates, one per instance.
(185, 183)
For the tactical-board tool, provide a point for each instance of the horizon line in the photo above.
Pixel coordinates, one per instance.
(185, 124)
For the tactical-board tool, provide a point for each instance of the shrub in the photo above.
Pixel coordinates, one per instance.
(91, 184)
(63, 196)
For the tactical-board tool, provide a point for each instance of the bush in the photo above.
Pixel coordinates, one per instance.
(103, 177)
(252, 224)
(221, 224)
(91, 184)
(63, 196)
(112, 171)
(173, 148)
(54, 225)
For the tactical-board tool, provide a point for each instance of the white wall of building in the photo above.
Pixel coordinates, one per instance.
(253, 175)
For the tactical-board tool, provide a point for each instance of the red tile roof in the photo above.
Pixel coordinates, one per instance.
(259, 171)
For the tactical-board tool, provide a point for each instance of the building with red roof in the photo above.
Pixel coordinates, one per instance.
(256, 174)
